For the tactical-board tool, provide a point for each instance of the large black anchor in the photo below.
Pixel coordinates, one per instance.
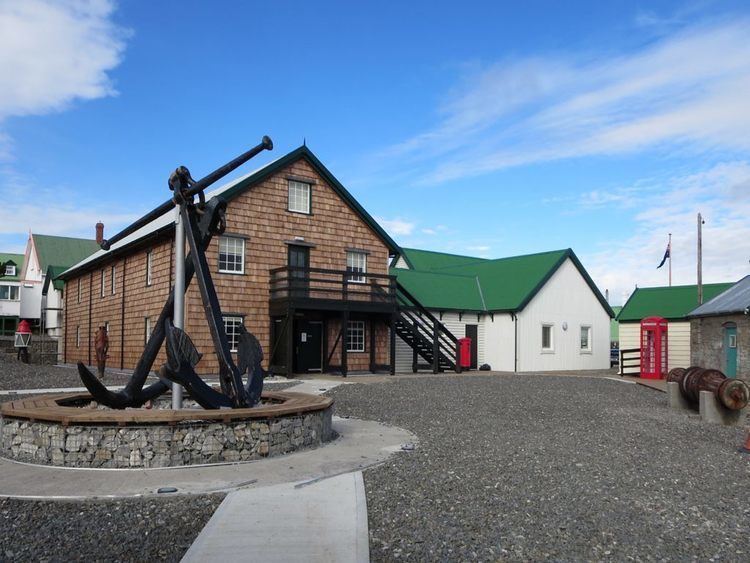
(202, 221)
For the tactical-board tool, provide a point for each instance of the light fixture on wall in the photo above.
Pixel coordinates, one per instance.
(299, 239)
(565, 325)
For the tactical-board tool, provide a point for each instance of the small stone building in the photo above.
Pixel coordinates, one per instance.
(720, 332)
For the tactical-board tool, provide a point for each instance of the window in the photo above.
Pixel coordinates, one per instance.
(79, 290)
(356, 262)
(733, 341)
(8, 293)
(78, 337)
(299, 197)
(548, 343)
(149, 263)
(114, 280)
(231, 255)
(232, 328)
(355, 336)
(147, 328)
(10, 270)
(585, 338)
(104, 281)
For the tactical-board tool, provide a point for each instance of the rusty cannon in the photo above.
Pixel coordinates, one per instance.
(733, 394)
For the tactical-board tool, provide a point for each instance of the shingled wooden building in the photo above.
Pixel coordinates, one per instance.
(301, 264)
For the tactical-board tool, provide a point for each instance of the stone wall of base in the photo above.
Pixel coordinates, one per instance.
(51, 443)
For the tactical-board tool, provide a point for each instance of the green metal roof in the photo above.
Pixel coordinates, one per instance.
(504, 284)
(51, 277)
(441, 291)
(17, 259)
(429, 260)
(62, 251)
(671, 303)
(614, 325)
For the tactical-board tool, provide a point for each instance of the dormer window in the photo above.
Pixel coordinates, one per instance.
(299, 197)
(10, 269)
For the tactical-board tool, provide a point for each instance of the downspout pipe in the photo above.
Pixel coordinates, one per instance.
(515, 342)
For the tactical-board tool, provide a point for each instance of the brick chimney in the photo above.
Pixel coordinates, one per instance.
(99, 232)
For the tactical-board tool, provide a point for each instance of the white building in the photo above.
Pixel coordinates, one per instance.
(46, 256)
(10, 293)
(538, 312)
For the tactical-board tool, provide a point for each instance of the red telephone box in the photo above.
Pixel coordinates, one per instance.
(654, 350)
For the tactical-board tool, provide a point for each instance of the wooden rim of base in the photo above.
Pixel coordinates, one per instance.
(55, 408)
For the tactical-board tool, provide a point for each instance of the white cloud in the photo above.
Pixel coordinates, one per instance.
(720, 195)
(54, 52)
(685, 91)
(397, 226)
(21, 210)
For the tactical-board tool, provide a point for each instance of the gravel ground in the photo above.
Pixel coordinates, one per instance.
(541, 467)
(124, 530)
(17, 375)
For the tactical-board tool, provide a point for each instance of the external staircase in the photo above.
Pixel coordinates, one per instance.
(434, 347)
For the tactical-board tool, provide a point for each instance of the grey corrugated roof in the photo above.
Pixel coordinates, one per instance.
(734, 300)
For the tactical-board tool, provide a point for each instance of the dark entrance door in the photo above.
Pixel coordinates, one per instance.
(299, 260)
(472, 331)
(308, 346)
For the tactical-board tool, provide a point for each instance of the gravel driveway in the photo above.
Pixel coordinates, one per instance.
(541, 467)
(126, 530)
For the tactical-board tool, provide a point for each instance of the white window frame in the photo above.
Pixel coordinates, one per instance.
(113, 273)
(10, 293)
(224, 242)
(350, 330)
(299, 196)
(149, 268)
(353, 256)
(78, 337)
(233, 336)
(10, 270)
(589, 337)
(147, 328)
(551, 348)
(104, 281)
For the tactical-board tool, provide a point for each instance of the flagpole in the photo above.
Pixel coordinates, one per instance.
(669, 246)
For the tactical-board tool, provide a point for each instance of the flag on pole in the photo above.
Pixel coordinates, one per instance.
(666, 255)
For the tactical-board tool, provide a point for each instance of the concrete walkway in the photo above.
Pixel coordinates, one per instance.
(323, 521)
(360, 444)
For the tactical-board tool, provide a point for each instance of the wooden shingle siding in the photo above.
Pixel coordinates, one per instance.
(260, 216)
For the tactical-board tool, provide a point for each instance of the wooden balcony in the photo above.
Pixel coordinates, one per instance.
(331, 290)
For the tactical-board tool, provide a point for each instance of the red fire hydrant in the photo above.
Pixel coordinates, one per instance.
(22, 341)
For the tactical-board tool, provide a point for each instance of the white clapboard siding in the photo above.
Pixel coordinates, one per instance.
(499, 339)
(678, 341)
(565, 300)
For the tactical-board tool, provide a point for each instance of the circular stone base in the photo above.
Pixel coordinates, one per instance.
(67, 430)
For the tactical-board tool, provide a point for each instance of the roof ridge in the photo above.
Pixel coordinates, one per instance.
(445, 253)
(694, 285)
(61, 237)
(433, 272)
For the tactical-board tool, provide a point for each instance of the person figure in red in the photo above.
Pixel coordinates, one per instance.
(101, 346)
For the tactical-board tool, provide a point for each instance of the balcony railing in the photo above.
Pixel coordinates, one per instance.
(298, 283)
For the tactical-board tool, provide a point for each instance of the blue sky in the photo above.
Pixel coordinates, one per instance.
(484, 128)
